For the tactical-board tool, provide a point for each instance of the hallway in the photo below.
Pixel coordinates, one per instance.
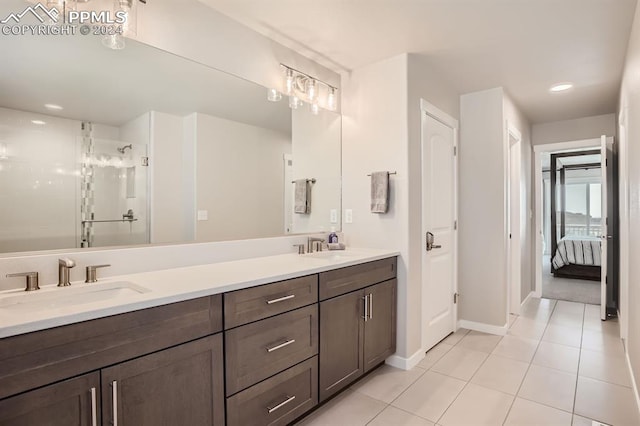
(558, 365)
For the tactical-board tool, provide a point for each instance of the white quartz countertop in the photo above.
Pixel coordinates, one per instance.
(52, 306)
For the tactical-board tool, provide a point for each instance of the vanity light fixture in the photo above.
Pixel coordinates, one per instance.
(301, 87)
(273, 95)
(561, 87)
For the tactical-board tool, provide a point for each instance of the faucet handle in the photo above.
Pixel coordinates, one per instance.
(32, 280)
(92, 274)
(300, 248)
(66, 262)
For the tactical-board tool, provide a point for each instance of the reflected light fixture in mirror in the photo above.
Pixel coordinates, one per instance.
(273, 95)
(301, 87)
(3, 151)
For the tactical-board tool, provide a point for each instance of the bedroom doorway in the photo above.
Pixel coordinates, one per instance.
(571, 222)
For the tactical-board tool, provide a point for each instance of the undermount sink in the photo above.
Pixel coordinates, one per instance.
(78, 294)
(333, 255)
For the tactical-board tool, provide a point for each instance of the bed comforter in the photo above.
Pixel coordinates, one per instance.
(578, 251)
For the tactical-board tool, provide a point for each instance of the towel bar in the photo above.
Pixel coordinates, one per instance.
(390, 173)
(312, 180)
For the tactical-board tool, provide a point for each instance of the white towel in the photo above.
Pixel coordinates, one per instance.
(302, 204)
(379, 192)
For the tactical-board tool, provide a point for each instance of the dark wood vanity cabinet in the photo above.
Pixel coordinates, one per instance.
(161, 366)
(182, 385)
(73, 402)
(357, 328)
(278, 350)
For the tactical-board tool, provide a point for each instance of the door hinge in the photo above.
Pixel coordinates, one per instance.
(455, 298)
(455, 225)
(455, 151)
(145, 161)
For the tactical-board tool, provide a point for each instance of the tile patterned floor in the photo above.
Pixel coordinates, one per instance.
(558, 365)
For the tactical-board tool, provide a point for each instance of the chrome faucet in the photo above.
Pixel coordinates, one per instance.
(311, 242)
(64, 265)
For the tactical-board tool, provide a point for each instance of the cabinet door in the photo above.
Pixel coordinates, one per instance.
(182, 385)
(380, 326)
(341, 342)
(68, 403)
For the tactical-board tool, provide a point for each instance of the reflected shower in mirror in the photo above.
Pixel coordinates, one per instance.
(109, 148)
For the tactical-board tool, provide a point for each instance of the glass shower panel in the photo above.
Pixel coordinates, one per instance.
(115, 199)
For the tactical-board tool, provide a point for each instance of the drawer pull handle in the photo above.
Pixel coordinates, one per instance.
(370, 306)
(282, 404)
(281, 345)
(94, 409)
(114, 402)
(281, 299)
(366, 308)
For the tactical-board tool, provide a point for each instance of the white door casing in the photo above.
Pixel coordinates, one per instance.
(604, 227)
(514, 219)
(439, 215)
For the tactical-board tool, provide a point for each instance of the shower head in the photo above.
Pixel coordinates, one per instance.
(124, 148)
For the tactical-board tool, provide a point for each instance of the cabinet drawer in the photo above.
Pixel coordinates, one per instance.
(259, 350)
(344, 280)
(253, 304)
(278, 400)
(31, 360)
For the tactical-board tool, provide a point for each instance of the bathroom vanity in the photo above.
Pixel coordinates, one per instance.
(252, 351)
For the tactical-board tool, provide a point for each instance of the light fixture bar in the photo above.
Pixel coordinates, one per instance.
(304, 74)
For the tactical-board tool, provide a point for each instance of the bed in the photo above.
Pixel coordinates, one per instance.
(578, 257)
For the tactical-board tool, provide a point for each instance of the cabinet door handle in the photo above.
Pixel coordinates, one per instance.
(281, 299)
(366, 309)
(114, 401)
(281, 345)
(370, 305)
(94, 409)
(282, 404)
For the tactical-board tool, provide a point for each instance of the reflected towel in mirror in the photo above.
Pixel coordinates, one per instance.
(302, 197)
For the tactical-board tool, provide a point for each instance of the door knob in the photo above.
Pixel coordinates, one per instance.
(430, 242)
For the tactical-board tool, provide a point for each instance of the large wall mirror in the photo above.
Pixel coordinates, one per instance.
(109, 148)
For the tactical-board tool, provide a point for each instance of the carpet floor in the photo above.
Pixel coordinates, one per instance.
(583, 291)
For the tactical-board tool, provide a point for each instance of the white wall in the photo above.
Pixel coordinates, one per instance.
(375, 138)
(381, 131)
(574, 130)
(239, 179)
(629, 161)
(482, 281)
(316, 149)
(513, 115)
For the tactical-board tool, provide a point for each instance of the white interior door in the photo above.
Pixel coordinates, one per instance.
(605, 231)
(438, 229)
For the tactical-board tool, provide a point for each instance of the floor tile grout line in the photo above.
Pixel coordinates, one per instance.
(575, 393)
(530, 364)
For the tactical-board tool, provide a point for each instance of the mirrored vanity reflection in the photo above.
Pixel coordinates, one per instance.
(109, 148)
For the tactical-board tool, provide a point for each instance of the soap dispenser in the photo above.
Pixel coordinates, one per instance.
(333, 237)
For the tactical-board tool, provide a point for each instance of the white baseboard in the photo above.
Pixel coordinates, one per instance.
(406, 363)
(633, 379)
(526, 299)
(483, 328)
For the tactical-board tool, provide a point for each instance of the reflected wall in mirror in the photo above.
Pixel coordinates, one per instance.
(108, 148)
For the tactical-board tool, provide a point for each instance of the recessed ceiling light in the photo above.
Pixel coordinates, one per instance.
(39, 122)
(560, 87)
(53, 107)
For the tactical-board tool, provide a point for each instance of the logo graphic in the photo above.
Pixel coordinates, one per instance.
(52, 13)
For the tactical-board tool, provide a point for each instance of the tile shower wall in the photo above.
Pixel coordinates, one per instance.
(43, 195)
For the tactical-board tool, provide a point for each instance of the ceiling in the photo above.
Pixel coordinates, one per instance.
(523, 45)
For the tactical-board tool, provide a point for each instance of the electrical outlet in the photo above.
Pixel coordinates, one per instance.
(203, 215)
(333, 216)
(348, 216)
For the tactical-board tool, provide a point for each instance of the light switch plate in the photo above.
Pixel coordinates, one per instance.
(333, 216)
(348, 216)
(203, 215)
